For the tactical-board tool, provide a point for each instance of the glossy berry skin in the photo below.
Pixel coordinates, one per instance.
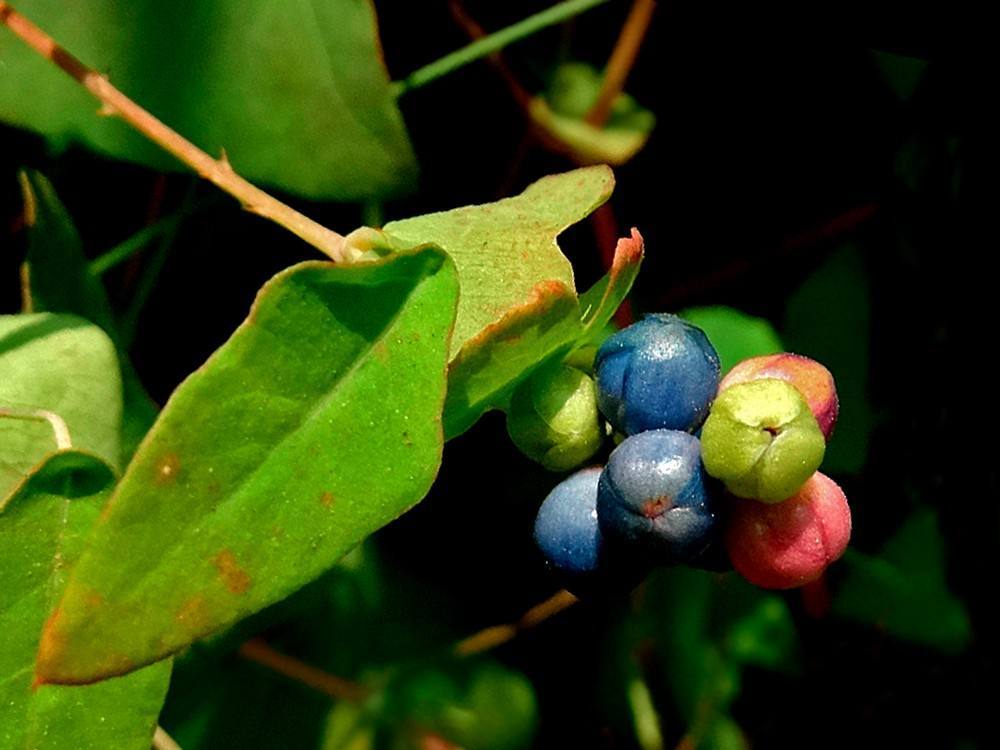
(789, 544)
(566, 529)
(809, 377)
(659, 373)
(761, 440)
(553, 418)
(652, 497)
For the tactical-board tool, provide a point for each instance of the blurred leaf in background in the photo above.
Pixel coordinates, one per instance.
(734, 334)
(903, 590)
(563, 109)
(828, 318)
(294, 91)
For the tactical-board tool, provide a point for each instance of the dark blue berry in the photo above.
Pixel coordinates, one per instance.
(566, 529)
(659, 373)
(652, 496)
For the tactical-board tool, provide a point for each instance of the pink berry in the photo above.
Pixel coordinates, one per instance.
(784, 545)
(809, 377)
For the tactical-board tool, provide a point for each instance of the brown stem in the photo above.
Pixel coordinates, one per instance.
(494, 636)
(217, 171)
(256, 650)
(621, 61)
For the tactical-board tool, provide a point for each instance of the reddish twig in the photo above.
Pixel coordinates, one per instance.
(622, 60)
(217, 171)
(491, 637)
(257, 650)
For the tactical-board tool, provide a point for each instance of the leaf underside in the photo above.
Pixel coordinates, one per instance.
(296, 92)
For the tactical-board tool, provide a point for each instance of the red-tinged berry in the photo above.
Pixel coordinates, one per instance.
(785, 545)
(809, 377)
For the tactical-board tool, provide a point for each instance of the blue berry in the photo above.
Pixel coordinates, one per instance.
(659, 373)
(652, 496)
(566, 528)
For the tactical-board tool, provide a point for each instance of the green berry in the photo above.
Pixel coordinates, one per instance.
(762, 440)
(553, 418)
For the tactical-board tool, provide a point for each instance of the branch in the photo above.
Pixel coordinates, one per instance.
(493, 43)
(257, 650)
(217, 171)
(621, 61)
(163, 741)
(497, 635)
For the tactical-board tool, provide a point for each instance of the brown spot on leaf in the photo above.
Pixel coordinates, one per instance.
(327, 499)
(657, 506)
(50, 647)
(233, 576)
(193, 614)
(167, 469)
(381, 351)
(94, 600)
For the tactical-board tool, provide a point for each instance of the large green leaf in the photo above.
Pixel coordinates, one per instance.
(295, 91)
(504, 250)
(64, 365)
(42, 530)
(317, 423)
(904, 591)
(60, 280)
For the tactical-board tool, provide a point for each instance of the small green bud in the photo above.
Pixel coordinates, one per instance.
(762, 440)
(553, 418)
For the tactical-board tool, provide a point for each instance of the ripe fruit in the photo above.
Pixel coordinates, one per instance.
(762, 440)
(661, 372)
(809, 377)
(553, 418)
(786, 545)
(652, 496)
(566, 529)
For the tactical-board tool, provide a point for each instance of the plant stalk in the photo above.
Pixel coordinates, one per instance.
(217, 171)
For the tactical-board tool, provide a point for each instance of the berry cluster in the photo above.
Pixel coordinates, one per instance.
(708, 473)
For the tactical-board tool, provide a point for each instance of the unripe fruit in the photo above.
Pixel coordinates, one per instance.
(659, 373)
(762, 440)
(553, 418)
(566, 529)
(789, 544)
(652, 497)
(809, 377)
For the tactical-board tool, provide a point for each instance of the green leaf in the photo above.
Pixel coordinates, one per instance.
(903, 590)
(490, 366)
(317, 423)
(900, 72)
(479, 705)
(734, 334)
(320, 121)
(60, 280)
(518, 309)
(829, 319)
(503, 251)
(42, 530)
(66, 366)
(764, 636)
(563, 109)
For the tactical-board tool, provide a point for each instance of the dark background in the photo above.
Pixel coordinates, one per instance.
(774, 147)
